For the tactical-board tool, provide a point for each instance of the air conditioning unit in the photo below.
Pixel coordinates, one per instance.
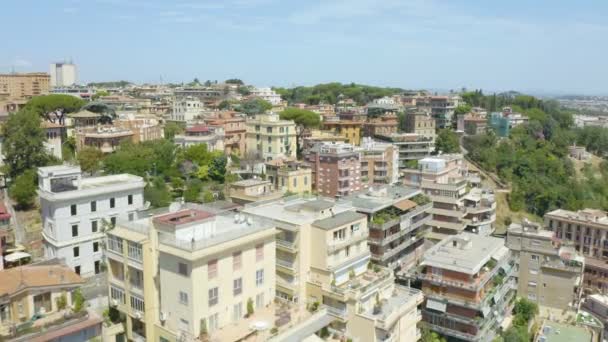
(114, 302)
(138, 315)
(163, 316)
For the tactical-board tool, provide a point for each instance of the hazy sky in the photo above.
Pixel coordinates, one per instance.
(529, 45)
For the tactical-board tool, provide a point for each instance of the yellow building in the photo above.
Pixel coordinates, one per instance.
(187, 272)
(289, 176)
(24, 86)
(322, 257)
(347, 128)
(268, 137)
(253, 190)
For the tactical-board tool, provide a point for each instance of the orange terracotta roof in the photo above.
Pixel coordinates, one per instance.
(13, 280)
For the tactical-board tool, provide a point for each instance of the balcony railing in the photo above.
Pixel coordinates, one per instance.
(290, 265)
(289, 245)
(346, 242)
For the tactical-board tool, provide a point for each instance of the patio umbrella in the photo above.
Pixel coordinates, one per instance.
(16, 256)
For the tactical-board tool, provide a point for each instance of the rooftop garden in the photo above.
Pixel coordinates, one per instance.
(421, 199)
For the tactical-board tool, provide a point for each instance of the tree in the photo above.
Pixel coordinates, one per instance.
(78, 301)
(208, 197)
(462, 109)
(157, 194)
(243, 90)
(224, 105)
(54, 107)
(89, 159)
(23, 189)
(255, 106)
(217, 169)
(234, 81)
(99, 94)
(430, 336)
(172, 129)
(447, 142)
(526, 308)
(193, 191)
(249, 307)
(24, 142)
(108, 114)
(304, 119)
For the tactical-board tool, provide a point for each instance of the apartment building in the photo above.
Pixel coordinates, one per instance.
(550, 273)
(76, 210)
(18, 86)
(315, 136)
(480, 207)
(597, 305)
(350, 129)
(468, 285)
(322, 257)
(253, 190)
(270, 138)
(289, 175)
(397, 218)
(183, 273)
(412, 146)
(385, 124)
(234, 131)
(442, 110)
(186, 109)
(212, 137)
(420, 123)
(379, 162)
(266, 94)
(37, 290)
(336, 169)
(587, 230)
(104, 138)
(63, 74)
(442, 178)
(144, 127)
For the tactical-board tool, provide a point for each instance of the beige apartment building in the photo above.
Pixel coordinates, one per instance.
(322, 259)
(336, 169)
(253, 190)
(587, 230)
(420, 123)
(289, 175)
(379, 162)
(550, 273)
(270, 138)
(185, 273)
(24, 86)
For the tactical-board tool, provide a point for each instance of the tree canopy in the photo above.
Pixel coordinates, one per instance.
(234, 81)
(447, 142)
(23, 189)
(462, 109)
(329, 93)
(255, 106)
(301, 117)
(54, 107)
(24, 142)
(89, 159)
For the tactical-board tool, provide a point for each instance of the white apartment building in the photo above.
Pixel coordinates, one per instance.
(186, 109)
(267, 94)
(75, 210)
(63, 74)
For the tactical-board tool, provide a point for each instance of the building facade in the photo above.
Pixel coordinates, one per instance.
(63, 74)
(253, 190)
(420, 123)
(336, 169)
(269, 137)
(379, 162)
(550, 273)
(412, 146)
(213, 137)
(186, 109)
(24, 86)
(75, 211)
(289, 176)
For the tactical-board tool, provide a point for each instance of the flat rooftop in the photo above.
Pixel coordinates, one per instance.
(465, 252)
(183, 217)
(103, 181)
(557, 332)
(250, 182)
(372, 200)
(338, 220)
(585, 215)
(296, 211)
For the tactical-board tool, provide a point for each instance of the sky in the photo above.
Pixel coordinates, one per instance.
(542, 46)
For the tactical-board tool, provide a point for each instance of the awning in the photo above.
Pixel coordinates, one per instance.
(16, 256)
(405, 204)
(436, 305)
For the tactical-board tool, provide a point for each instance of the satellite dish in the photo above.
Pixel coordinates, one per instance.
(175, 206)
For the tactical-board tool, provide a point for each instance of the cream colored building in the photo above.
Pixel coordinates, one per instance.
(290, 176)
(270, 137)
(24, 86)
(253, 190)
(180, 273)
(322, 257)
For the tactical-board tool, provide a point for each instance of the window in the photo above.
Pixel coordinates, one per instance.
(76, 251)
(112, 202)
(113, 220)
(93, 206)
(259, 277)
(130, 199)
(95, 246)
(183, 269)
(73, 210)
(237, 312)
(214, 323)
(131, 216)
(236, 260)
(259, 300)
(259, 252)
(77, 270)
(237, 286)
(134, 251)
(74, 230)
(117, 294)
(212, 269)
(97, 266)
(115, 244)
(354, 227)
(213, 296)
(535, 257)
(137, 303)
(183, 298)
(94, 226)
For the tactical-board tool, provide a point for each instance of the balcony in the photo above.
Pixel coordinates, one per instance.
(286, 265)
(562, 266)
(286, 245)
(346, 242)
(389, 253)
(401, 301)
